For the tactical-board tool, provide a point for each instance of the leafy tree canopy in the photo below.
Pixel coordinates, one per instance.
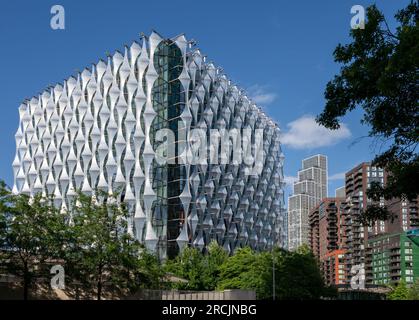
(202, 271)
(400, 292)
(414, 291)
(247, 270)
(297, 275)
(32, 231)
(379, 74)
(100, 250)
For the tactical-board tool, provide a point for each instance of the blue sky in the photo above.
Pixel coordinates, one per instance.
(281, 51)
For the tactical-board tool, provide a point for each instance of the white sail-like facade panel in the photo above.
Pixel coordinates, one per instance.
(97, 130)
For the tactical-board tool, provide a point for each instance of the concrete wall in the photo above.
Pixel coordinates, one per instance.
(209, 295)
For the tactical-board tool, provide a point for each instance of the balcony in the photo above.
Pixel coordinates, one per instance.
(395, 273)
(394, 253)
(394, 265)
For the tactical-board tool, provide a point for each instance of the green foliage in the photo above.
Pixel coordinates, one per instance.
(188, 265)
(246, 270)
(4, 212)
(201, 271)
(150, 273)
(93, 244)
(413, 293)
(403, 292)
(379, 74)
(400, 292)
(297, 275)
(100, 250)
(32, 231)
(212, 262)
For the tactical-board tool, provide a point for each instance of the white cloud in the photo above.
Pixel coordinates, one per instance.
(305, 133)
(337, 176)
(289, 180)
(260, 95)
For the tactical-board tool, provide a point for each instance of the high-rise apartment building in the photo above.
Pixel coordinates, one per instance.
(357, 182)
(104, 128)
(392, 251)
(308, 191)
(379, 247)
(327, 239)
(392, 257)
(388, 251)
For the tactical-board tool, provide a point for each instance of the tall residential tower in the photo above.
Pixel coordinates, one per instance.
(309, 190)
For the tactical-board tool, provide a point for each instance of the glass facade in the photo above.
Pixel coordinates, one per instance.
(169, 179)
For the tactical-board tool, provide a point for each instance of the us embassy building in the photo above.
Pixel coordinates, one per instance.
(190, 154)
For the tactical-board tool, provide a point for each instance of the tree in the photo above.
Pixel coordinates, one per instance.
(213, 260)
(149, 273)
(188, 265)
(100, 250)
(248, 270)
(32, 232)
(201, 270)
(298, 276)
(400, 292)
(380, 75)
(4, 210)
(413, 293)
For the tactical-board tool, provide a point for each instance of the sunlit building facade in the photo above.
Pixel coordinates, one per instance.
(100, 129)
(308, 191)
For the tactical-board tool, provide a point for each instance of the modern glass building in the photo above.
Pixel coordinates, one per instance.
(104, 128)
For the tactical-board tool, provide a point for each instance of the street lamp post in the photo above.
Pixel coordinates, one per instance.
(273, 275)
(273, 261)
